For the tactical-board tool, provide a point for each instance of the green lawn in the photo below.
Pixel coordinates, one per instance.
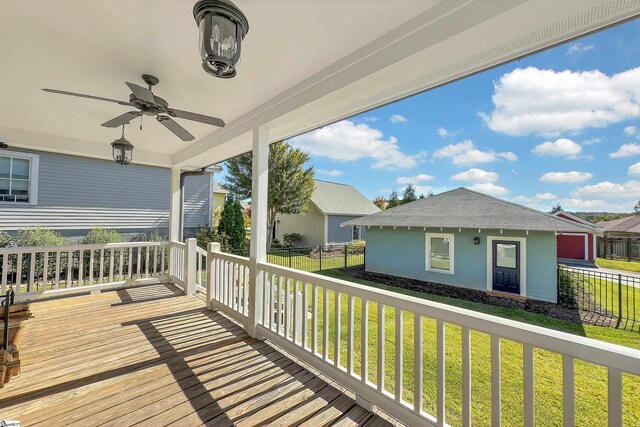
(591, 381)
(618, 265)
(606, 293)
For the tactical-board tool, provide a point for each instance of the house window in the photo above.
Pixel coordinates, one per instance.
(439, 250)
(18, 177)
(355, 232)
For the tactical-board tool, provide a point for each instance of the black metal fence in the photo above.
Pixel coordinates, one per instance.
(627, 249)
(610, 299)
(315, 258)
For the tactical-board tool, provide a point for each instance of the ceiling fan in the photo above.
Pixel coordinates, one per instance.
(149, 104)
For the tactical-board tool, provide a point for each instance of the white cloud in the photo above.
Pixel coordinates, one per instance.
(347, 141)
(397, 118)
(538, 198)
(476, 175)
(422, 189)
(630, 130)
(414, 179)
(332, 172)
(369, 119)
(577, 204)
(565, 177)
(634, 170)
(592, 141)
(443, 132)
(626, 150)
(608, 189)
(561, 147)
(546, 102)
(466, 154)
(489, 188)
(577, 49)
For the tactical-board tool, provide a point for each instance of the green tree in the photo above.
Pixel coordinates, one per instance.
(422, 196)
(556, 208)
(232, 224)
(393, 200)
(430, 194)
(290, 182)
(636, 208)
(409, 194)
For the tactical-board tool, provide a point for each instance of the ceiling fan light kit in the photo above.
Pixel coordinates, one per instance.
(222, 28)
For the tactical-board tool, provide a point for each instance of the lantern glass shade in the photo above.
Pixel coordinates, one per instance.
(122, 151)
(222, 28)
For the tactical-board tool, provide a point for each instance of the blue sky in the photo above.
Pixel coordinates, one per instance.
(561, 126)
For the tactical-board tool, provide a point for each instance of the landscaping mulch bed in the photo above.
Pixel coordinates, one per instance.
(534, 306)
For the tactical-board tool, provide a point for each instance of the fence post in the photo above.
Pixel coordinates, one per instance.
(320, 255)
(190, 254)
(558, 285)
(619, 300)
(289, 256)
(345, 255)
(211, 248)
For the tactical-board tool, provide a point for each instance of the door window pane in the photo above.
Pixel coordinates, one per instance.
(440, 256)
(5, 167)
(20, 169)
(506, 255)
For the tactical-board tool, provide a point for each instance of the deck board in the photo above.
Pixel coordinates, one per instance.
(151, 356)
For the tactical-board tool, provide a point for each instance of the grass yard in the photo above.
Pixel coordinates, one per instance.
(591, 380)
(606, 293)
(618, 265)
(306, 263)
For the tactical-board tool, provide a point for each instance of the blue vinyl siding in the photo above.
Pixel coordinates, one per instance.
(401, 252)
(78, 193)
(337, 234)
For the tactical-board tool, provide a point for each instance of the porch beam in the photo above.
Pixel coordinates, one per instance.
(258, 250)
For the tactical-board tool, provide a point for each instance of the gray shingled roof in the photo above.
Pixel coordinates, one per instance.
(463, 208)
(629, 224)
(341, 199)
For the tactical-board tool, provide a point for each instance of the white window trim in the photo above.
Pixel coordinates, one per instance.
(522, 260)
(34, 170)
(359, 233)
(452, 251)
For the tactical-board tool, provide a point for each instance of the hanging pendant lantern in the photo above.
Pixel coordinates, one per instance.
(222, 28)
(122, 150)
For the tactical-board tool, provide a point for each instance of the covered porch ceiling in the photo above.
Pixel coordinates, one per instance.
(305, 63)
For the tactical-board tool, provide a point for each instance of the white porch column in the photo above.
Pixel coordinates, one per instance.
(258, 250)
(174, 205)
(189, 275)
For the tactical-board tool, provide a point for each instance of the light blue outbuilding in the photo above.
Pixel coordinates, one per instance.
(468, 239)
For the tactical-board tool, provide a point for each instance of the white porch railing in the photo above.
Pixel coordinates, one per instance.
(303, 314)
(35, 272)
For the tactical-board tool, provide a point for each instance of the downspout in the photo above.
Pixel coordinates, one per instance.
(183, 175)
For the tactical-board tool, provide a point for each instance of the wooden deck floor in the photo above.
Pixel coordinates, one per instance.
(151, 356)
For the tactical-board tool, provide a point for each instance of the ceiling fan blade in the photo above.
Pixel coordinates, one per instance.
(187, 115)
(122, 119)
(174, 127)
(142, 93)
(80, 95)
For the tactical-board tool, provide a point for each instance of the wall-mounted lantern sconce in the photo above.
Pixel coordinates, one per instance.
(476, 240)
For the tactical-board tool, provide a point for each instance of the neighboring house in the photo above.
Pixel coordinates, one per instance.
(467, 239)
(219, 196)
(73, 194)
(577, 245)
(331, 204)
(621, 238)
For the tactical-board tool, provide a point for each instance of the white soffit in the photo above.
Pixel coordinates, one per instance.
(94, 46)
(479, 35)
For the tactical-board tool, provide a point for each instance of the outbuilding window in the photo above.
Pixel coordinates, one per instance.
(18, 177)
(440, 250)
(355, 232)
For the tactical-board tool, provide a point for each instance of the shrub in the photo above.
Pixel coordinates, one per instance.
(39, 236)
(291, 239)
(156, 236)
(99, 235)
(356, 247)
(275, 243)
(208, 235)
(232, 224)
(5, 240)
